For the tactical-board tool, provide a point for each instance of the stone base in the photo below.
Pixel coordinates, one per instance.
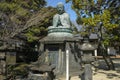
(32, 76)
(59, 32)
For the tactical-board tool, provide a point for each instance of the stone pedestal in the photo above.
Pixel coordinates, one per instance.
(60, 32)
(55, 50)
(44, 76)
(52, 52)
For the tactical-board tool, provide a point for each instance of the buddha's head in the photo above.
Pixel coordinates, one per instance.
(60, 8)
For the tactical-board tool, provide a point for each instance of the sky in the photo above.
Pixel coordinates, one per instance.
(67, 7)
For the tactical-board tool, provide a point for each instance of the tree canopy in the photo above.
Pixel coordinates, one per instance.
(26, 18)
(92, 12)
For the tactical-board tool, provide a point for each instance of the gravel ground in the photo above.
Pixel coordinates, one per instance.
(102, 74)
(106, 75)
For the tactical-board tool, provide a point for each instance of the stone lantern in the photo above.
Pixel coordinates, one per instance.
(87, 58)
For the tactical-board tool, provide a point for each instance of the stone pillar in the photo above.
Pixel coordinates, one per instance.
(46, 56)
(41, 47)
(67, 61)
(41, 56)
(88, 72)
(95, 52)
(60, 60)
(87, 59)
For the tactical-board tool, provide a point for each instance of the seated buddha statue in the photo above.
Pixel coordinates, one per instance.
(61, 19)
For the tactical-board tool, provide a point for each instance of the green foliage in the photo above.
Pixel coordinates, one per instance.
(27, 4)
(17, 13)
(8, 7)
(91, 21)
(105, 18)
(75, 31)
(34, 33)
(22, 12)
(90, 13)
(39, 23)
(29, 18)
(84, 31)
(21, 8)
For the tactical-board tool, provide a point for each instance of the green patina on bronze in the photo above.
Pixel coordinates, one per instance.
(61, 24)
(68, 30)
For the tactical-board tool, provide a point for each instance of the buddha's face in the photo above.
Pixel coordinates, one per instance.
(60, 8)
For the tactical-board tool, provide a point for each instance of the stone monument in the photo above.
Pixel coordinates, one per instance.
(54, 47)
